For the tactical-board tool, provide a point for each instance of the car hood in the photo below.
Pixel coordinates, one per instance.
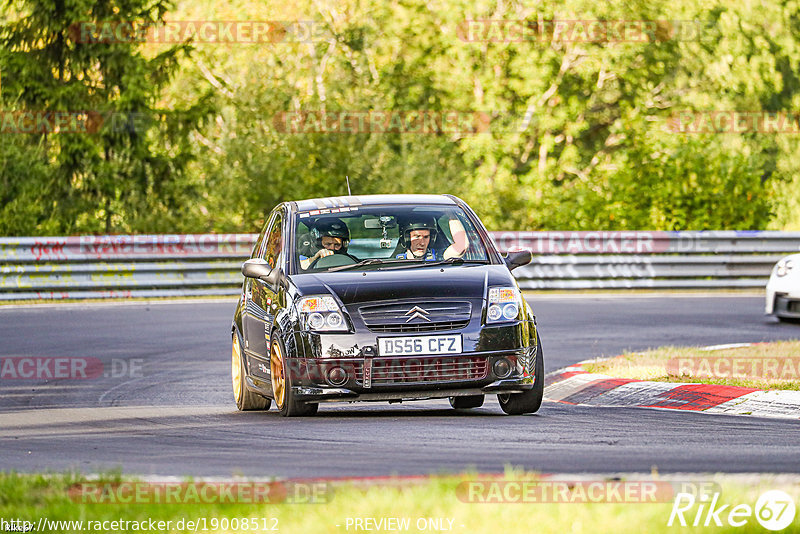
(353, 287)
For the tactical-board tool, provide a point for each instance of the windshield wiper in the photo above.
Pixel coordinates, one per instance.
(457, 259)
(368, 261)
(427, 263)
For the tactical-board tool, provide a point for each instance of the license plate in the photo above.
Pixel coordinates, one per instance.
(414, 345)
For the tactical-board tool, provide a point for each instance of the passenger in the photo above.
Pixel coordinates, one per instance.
(329, 236)
(419, 237)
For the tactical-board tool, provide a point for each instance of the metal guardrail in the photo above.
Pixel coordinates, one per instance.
(208, 264)
(125, 266)
(657, 260)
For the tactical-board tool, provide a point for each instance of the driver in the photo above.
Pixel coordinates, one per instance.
(329, 236)
(418, 234)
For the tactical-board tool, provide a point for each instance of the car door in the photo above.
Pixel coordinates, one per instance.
(261, 301)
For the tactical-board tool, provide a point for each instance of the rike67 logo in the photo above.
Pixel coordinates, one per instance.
(774, 510)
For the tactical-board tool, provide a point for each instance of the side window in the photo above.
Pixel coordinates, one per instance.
(259, 246)
(274, 241)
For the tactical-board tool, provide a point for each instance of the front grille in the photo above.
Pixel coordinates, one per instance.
(793, 306)
(418, 327)
(390, 371)
(410, 317)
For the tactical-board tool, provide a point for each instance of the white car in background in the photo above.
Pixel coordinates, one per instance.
(783, 289)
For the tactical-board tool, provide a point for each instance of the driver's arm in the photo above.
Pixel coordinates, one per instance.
(460, 241)
(305, 263)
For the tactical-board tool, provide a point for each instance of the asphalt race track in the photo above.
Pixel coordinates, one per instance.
(165, 405)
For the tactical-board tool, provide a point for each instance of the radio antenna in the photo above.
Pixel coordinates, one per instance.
(348, 185)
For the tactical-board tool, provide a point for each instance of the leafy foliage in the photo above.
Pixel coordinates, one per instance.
(579, 136)
(126, 171)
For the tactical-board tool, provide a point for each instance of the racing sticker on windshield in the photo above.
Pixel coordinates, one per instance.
(305, 214)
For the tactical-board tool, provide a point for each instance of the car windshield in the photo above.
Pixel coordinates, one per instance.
(383, 237)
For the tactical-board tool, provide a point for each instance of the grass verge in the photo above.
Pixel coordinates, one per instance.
(768, 366)
(428, 504)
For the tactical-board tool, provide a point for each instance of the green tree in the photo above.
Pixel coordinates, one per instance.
(579, 132)
(595, 151)
(364, 59)
(128, 175)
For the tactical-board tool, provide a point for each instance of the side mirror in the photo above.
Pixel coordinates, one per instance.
(518, 259)
(260, 269)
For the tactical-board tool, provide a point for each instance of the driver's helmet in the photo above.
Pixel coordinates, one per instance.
(417, 223)
(331, 228)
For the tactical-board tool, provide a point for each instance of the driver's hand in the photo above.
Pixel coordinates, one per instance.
(322, 253)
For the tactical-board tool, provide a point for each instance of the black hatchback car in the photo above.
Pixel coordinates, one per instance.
(382, 298)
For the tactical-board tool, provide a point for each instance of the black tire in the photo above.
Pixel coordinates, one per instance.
(527, 401)
(245, 399)
(466, 402)
(287, 405)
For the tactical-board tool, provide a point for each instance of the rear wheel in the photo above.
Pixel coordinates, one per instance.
(281, 378)
(245, 399)
(527, 401)
(466, 402)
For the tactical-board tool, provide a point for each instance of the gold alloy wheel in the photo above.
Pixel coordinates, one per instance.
(276, 373)
(236, 369)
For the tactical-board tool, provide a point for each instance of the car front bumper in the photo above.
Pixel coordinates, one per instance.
(333, 394)
(368, 374)
(783, 296)
(784, 306)
(496, 359)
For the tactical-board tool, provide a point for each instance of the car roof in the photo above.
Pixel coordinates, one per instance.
(371, 200)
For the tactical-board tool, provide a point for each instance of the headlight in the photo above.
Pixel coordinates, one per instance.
(504, 304)
(321, 313)
(783, 267)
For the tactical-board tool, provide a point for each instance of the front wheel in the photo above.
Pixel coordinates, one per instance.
(527, 401)
(245, 399)
(281, 378)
